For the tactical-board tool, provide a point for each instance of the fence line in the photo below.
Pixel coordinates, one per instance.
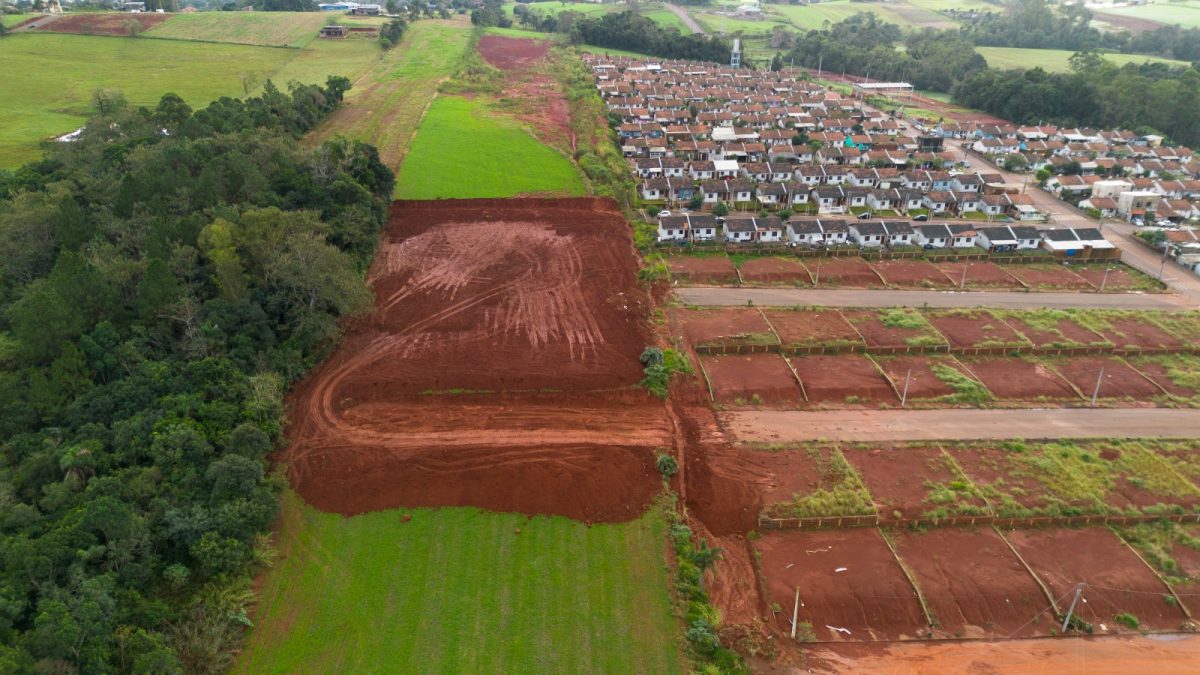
(836, 522)
(720, 349)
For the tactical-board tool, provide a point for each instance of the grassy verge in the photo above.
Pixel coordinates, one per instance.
(461, 590)
(966, 389)
(955, 497)
(910, 319)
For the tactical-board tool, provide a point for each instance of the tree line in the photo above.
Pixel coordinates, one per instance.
(627, 31)
(162, 280)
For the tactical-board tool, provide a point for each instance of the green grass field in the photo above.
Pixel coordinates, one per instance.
(50, 79)
(13, 19)
(1186, 14)
(271, 29)
(651, 10)
(321, 58)
(906, 14)
(463, 150)
(460, 591)
(1055, 60)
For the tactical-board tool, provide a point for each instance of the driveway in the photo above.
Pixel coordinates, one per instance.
(785, 426)
(790, 297)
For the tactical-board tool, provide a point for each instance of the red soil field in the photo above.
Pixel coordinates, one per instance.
(980, 274)
(1158, 372)
(833, 379)
(847, 272)
(546, 110)
(900, 479)
(876, 334)
(533, 305)
(727, 487)
(1119, 381)
(689, 269)
(1136, 334)
(816, 328)
(1139, 493)
(1119, 277)
(922, 383)
(1069, 334)
(973, 583)
(751, 379)
(114, 23)
(1117, 580)
(1049, 276)
(723, 326)
(1188, 560)
(912, 273)
(1003, 471)
(1017, 379)
(975, 328)
(772, 270)
(871, 597)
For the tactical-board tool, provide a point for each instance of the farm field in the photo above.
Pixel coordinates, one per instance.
(907, 14)
(464, 149)
(51, 79)
(1058, 60)
(270, 29)
(1186, 14)
(14, 19)
(461, 590)
(350, 58)
(651, 10)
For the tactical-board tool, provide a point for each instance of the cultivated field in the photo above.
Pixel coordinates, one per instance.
(1185, 13)
(271, 29)
(51, 78)
(1058, 60)
(460, 590)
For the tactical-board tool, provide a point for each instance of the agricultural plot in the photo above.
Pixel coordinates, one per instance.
(751, 379)
(973, 584)
(121, 24)
(440, 580)
(1185, 14)
(1122, 593)
(50, 80)
(268, 29)
(914, 483)
(1059, 60)
(322, 58)
(702, 269)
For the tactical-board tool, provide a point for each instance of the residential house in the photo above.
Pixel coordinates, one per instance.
(868, 233)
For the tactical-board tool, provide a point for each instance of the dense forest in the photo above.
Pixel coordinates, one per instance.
(627, 31)
(162, 280)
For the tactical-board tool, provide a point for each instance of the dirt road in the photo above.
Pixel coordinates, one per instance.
(788, 297)
(685, 18)
(771, 426)
(1160, 655)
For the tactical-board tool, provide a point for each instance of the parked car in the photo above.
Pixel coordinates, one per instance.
(864, 215)
(664, 213)
(920, 216)
(1138, 222)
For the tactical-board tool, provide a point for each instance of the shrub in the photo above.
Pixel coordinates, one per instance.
(1128, 620)
(666, 465)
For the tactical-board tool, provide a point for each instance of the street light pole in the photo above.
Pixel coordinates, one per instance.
(1162, 266)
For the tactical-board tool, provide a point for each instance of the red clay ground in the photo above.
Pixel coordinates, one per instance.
(533, 305)
(1120, 278)
(1049, 277)
(751, 379)
(843, 272)
(1117, 580)
(912, 273)
(1066, 333)
(815, 328)
(975, 328)
(105, 23)
(923, 384)
(687, 269)
(1188, 560)
(772, 270)
(973, 584)
(1154, 369)
(877, 334)
(1017, 379)
(900, 479)
(1119, 380)
(847, 378)
(1136, 334)
(1130, 492)
(870, 597)
(723, 326)
(1009, 483)
(980, 274)
(544, 108)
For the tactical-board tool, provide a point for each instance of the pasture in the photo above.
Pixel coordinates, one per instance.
(51, 78)
(1185, 13)
(462, 590)
(1056, 60)
(651, 10)
(14, 19)
(908, 14)
(464, 150)
(268, 29)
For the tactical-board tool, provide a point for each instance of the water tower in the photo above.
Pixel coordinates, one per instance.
(735, 59)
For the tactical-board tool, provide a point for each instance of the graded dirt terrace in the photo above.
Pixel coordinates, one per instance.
(498, 369)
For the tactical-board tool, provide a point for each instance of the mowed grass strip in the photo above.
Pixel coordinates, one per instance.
(464, 150)
(349, 58)
(269, 29)
(1056, 60)
(462, 590)
(50, 78)
(385, 106)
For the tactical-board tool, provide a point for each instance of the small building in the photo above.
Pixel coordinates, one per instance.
(934, 236)
(868, 234)
(1085, 243)
(964, 236)
(367, 10)
(333, 31)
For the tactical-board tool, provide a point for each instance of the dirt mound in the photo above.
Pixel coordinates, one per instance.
(115, 23)
(499, 369)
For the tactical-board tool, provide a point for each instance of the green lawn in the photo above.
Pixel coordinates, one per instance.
(50, 78)
(321, 58)
(906, 13)
(1186, 14)
(1054, 60)
(463, 150)
(651, 10)
(14, 19)
(273, 29)
(461, 591)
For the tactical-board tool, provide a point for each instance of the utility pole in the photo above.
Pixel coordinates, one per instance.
(795, 612)
(963, 283)
(1162, 267)
(904, 396)
(1096, 392)
(1104, 279)
(1071, 609)
(817, 280)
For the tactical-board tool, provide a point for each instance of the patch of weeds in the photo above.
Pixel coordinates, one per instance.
(838, 490)
(966, 389)
(1128, 620)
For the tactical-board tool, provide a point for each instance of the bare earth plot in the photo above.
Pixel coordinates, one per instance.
(790, 297)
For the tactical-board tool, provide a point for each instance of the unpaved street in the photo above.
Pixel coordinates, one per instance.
(789, 297)
(685, 18)
(787, 426)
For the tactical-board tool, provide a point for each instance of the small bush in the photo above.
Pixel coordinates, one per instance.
(666, 465)
(1128, 620)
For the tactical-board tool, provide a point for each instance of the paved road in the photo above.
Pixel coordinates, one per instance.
(685, 18)
(770, 426)
(1120, 233)
(790, 297)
